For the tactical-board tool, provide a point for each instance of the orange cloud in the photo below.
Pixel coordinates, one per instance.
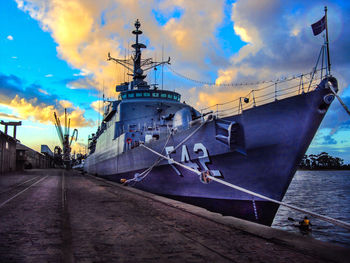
(65, 104)
(98, 106)
(83, 41)
(43, 113)
(209, 99)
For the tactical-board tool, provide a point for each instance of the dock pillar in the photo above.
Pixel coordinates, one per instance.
(11, 123)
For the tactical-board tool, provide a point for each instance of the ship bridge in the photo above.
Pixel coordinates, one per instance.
(150, 94)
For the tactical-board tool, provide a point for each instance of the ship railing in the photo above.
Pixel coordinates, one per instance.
(278, 90)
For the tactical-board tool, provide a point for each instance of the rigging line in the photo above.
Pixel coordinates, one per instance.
(334, 221)
(340, 100)
(239, 84)
(148, 170)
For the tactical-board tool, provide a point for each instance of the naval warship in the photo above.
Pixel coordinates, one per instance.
(257, 147)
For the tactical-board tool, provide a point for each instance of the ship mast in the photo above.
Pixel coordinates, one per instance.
(138, 72)
(139, 65)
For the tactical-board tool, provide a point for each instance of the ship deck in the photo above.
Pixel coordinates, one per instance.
(65, 216)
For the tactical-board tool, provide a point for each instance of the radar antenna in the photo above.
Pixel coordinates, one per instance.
(136, 64)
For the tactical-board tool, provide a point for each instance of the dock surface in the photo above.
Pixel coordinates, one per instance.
(65, 216)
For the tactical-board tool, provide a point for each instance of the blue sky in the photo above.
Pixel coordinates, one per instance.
(53, 55)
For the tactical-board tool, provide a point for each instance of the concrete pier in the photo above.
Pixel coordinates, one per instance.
(60, 216)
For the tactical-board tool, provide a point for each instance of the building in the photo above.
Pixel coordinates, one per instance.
(28, 158)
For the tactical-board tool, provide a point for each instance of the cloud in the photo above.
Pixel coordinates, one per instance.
(34, 103)
(43, 113)
(82, 83)
(329, 140)
(28, 109)
(66, 104)
(9, 37)
(48, 76)
(9, 116)
(83, 72)
(210, 96)
(98, 106)
(43, 91)
(11, 85)
(280, 42)
(86, 31)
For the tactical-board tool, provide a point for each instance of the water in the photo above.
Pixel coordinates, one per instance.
(323, 192)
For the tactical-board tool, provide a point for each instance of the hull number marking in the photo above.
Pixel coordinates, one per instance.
(203, 159)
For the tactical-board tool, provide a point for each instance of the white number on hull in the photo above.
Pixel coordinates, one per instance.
(185, 158)
(168, 150)
(205, 159)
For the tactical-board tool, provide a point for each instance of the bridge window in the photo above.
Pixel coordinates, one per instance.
(148, 94)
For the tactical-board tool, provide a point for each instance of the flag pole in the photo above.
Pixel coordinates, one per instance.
(328, 59)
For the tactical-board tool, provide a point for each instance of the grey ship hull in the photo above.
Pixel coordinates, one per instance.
(274, 137)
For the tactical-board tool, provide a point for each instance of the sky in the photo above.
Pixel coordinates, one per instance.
(53, 55)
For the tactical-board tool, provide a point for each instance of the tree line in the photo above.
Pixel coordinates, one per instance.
(322, 161)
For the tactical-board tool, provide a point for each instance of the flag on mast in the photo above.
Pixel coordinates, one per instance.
(319, 26)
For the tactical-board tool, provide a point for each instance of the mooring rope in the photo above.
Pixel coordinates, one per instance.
(322, 217)
(339, 99)
(141, 176)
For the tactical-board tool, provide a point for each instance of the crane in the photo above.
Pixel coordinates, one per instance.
(65, 140)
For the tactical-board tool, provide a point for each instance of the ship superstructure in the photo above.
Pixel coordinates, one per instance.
(256, 148)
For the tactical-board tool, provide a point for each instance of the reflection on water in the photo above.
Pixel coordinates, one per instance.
(323, 192)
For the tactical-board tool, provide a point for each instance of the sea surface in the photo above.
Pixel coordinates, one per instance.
(323, 192)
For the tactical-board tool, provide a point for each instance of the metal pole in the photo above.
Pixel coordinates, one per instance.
(322, 60)
(65, 121)
(253, 98)
(162, 66)
(240, 105)
(275, 91)
(301, 84)
(328, 58)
